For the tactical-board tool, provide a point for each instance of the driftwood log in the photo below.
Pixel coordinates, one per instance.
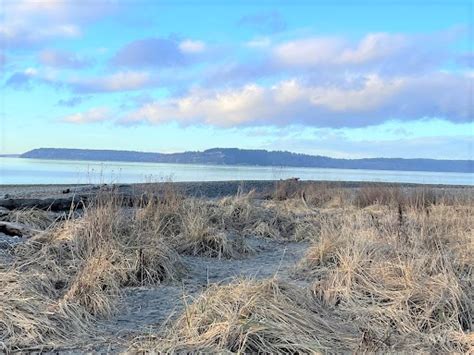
(65, 204)
(76, 201)
(52, 204)
(15, 229)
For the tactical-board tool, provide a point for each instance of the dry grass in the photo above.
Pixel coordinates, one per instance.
(32, 217)
(400, 269)
(238, 212)
(76, 271)
(200, 236)
(397, 264)
(311, 194)
(96, 285)
(192, 226)
(29, 313)
(382, 195)
(245, 216)
(254, 317)
(81, 265)
(276, 223)
(325, 195)
(413, 197)
(405, 277)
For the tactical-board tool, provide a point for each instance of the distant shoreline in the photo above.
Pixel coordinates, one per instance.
(26, 171)
(257, 158)
(235, 165)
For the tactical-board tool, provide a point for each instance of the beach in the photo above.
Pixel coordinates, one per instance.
(205, 189)
(223, 266)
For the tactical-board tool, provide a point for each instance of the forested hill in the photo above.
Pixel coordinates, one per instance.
(234, 156)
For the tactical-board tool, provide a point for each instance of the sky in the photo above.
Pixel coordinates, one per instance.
(338, 78)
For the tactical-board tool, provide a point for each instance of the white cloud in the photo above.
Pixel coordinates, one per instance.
(372, 47)
(63, 30)
(57, 10)
(375, 51)
(29, 7)
(31, 23)
(335, 58)
(371, 96)
(31, 71)
(292, 102)
(259, 42)
(192, 46)
(22, 35)
(220, 109)
(61, 59)
(94, 115)
(120, 81)
(309, 51)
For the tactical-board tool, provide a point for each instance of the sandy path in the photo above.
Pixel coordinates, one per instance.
(148, 309)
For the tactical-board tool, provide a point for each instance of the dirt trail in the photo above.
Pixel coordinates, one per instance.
(148, 309)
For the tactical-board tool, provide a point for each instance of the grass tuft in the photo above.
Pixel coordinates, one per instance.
(247, 316)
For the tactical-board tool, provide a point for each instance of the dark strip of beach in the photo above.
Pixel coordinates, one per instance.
(209, 189)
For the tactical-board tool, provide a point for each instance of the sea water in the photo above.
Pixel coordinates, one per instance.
(36, 171)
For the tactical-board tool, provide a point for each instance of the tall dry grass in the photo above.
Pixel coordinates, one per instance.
(30, 316)
(75, 270)
(411, 197)
(393, 276)
(194, 226)
(312, 195)
(403, 276)
(245, 216)
(73, 273)
(386, 271)
(327, 195)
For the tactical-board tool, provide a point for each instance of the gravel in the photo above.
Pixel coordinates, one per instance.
(209, 189)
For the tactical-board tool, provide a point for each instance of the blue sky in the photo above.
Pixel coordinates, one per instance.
(339, 78)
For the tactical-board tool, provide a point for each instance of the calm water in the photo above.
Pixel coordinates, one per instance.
(32, 171)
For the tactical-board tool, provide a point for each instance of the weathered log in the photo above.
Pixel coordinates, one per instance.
(53, 204)
(16, 229)
(66, 203)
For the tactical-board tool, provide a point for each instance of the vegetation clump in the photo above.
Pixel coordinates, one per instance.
(404, 277)
(248, 316)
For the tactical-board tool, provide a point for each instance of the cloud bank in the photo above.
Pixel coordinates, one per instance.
(374, 101)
